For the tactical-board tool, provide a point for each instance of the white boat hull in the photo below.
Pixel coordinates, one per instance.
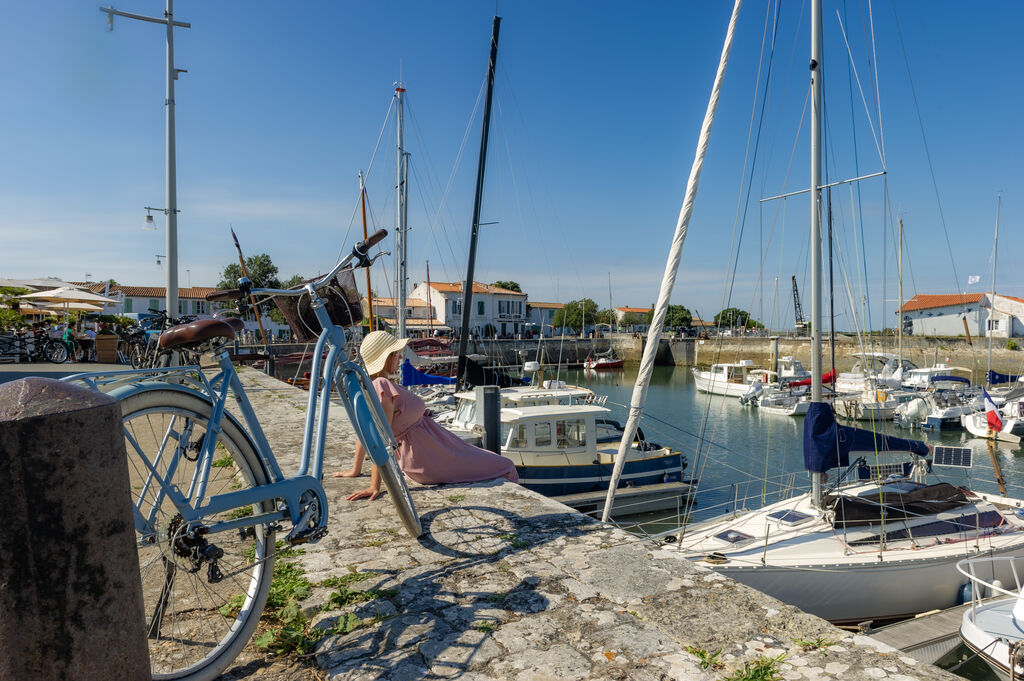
(707, 383)
(989, 640)
(977, 425)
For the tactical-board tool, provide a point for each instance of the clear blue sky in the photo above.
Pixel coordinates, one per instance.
(597, 111)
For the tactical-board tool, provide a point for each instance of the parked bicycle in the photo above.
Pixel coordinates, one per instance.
(142, 346)
(35, 345)
(209, 497)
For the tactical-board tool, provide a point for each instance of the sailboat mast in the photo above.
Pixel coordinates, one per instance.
(369, 291)
(992, 301)
(401, 177)
(467, 289)
(899, 266)
(611, 310)
(816, 101)
(430, 308)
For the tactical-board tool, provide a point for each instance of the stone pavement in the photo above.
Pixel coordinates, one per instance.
(507, 584)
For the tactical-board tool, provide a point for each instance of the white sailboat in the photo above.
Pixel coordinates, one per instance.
(879, 543)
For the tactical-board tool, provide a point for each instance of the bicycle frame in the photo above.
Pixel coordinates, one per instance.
(302, 493)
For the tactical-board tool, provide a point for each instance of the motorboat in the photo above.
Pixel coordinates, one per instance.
(936, 377)
(1010, 413)
(868, 405)
(880, 543)
(602, 361)
(993, 627)
(732, 379)
(873, 370)
(570, 449)
(938, 410)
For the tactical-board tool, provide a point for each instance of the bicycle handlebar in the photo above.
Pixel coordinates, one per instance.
(359, 252)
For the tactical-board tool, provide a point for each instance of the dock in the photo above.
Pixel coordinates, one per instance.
(927, 637)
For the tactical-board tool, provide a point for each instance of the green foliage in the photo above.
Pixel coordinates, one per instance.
(241, 512)
(456, 498)
(510, 285)
(574, 313)
(635, 318)
(1011, 345)
(223, 462)
(733, 317)
(821, 643)
(514, 541)
(677, 316)
(486, 627)
(345, 596)
(289, 583)
(9, 304)
(761, 669)
(263, 273)
(707, 660)
(345, 580)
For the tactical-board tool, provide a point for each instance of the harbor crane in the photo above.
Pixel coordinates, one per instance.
(801, 323)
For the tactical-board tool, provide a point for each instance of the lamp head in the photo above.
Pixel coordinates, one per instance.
(148, 224)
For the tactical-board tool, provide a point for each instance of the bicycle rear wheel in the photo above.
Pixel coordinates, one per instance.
(197, 620)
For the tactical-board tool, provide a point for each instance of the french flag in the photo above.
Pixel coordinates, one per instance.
(991, 415)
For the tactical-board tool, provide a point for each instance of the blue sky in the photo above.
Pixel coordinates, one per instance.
(597, 110)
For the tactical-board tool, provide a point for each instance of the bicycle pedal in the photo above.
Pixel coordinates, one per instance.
(311, 536)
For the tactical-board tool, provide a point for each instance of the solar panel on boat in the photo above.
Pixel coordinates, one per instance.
(952, 457)
(789, 517)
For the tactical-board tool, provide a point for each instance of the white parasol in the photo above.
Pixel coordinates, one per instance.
(68, 294)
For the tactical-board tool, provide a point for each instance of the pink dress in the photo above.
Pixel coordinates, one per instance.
(429, 454)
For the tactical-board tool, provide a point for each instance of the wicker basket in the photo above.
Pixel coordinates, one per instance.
(341, 298)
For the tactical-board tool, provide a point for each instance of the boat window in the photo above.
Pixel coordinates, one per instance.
(506, 430)
(518, 440)
(542, 435)
(571, 433)
(465, 411)
(789, 517)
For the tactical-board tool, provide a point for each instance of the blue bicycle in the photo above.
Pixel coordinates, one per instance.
(208, 496)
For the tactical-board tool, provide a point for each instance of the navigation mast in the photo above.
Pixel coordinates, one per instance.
(401, 206)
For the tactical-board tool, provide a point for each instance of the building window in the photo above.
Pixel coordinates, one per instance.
(154, 304)
(199, 307)
(182, 306)
(480, 307)
(995, 324)
(127, 304)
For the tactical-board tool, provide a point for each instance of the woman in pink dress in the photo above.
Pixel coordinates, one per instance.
(427, 453)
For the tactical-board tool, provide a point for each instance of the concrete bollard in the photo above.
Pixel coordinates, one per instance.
(70, 593)
(488, 416)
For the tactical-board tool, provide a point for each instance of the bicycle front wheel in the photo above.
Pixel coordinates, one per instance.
(56, 352)
(203, 594)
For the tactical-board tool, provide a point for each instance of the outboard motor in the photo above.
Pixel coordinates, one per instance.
(751, 395)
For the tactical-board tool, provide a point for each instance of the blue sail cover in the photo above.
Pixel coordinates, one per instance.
(413, 376)
(950, 378)
(828, 444)
(995, 377)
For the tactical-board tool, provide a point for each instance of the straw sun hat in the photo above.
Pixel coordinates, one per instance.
(377, 347)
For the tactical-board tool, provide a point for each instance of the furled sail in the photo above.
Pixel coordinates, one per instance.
(828, 444)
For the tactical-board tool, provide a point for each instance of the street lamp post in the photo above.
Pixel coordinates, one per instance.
(171, 211)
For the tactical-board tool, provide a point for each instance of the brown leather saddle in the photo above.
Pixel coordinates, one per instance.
(194, 333)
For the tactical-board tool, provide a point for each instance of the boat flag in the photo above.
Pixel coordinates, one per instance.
(973, 279)
(991, 415)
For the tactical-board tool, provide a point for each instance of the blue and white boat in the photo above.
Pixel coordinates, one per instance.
(563, 450)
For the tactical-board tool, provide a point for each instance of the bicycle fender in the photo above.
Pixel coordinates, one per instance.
(367, 429)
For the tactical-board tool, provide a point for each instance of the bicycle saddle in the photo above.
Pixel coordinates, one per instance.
(195, 333)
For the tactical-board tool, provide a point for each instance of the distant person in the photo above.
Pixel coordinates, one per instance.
(427, 453)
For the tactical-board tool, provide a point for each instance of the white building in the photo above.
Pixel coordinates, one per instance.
(541, 316)
(420, 316)
(496, 311)
(946, 314)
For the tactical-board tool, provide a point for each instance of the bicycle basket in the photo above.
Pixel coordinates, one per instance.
(342, 301)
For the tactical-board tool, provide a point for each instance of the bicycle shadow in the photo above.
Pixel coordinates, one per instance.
(445, 614)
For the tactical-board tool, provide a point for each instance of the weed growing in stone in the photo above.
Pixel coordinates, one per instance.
(514, 541)
(345, 596)
(504, 567)
(821, 643)
(345, 580)
(456, 498)
(497, 597)
(707, 660)
(241, 512)
(761, 669)
(486, 627)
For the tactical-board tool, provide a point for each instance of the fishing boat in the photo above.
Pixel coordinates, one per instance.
(733, 379)
(993, 627)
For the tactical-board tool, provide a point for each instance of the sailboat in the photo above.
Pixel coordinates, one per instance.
(878, 543)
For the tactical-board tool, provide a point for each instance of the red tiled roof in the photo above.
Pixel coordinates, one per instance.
(637, 310)
(927, 301)
(552, 306)
(456, 287)
(188, 293)
(390, 302)
(1019, 300)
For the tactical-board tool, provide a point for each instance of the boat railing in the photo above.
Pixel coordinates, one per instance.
(989, 586)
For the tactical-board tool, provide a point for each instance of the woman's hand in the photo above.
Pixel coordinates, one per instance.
(350, 473)
(370, 493)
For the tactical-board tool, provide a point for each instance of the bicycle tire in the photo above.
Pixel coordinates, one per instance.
(55, 352)
(195, 626)
(398, 491)
(136, 354)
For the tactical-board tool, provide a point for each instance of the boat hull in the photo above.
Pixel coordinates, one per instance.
(707, 383)
(978, 631)
(848, 594)
(559, 480)
(977, 425)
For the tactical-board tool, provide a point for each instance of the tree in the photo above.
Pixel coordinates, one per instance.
(510, 285)
(575, 313)
(676, 317)
(733, 317)
(634, 319)
(263, 273)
